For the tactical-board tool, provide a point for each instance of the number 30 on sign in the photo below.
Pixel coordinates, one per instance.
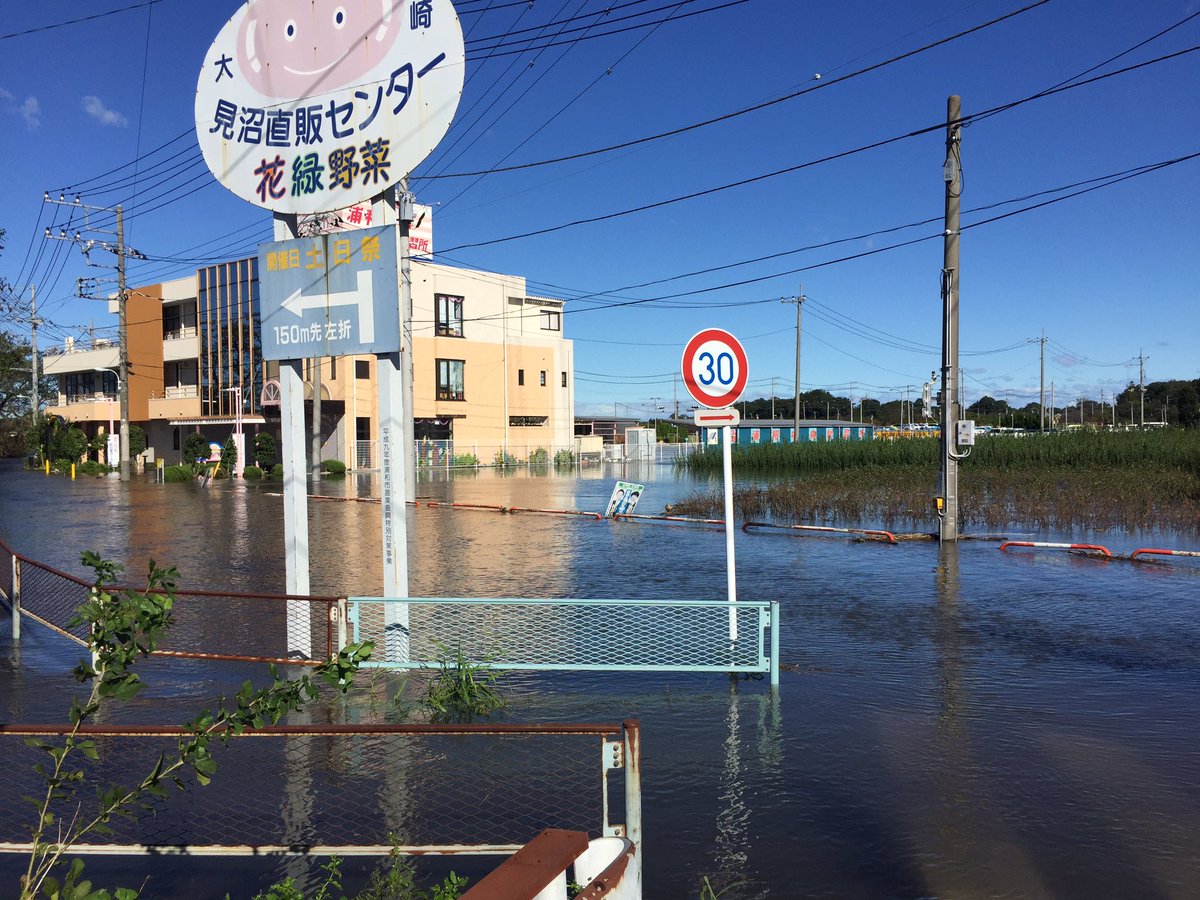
(715, 368)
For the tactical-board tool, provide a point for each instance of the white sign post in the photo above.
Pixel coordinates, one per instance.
(715, 370)
(309, 109)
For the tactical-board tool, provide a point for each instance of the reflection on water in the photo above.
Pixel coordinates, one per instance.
(954, 721)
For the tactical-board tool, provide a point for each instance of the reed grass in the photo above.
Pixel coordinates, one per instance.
(1147, 451)
(1060, 497)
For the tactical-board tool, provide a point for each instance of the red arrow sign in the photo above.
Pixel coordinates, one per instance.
(727, 416)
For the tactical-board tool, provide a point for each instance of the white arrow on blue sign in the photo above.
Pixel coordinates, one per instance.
(331, 295)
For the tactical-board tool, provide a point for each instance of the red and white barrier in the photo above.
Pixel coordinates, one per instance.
(682, 519)
(1156, 552)
(872, 533)
(1092, 548)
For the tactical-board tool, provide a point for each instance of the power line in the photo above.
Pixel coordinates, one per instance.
(91, 18)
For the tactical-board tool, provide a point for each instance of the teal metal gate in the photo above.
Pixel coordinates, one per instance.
(571, 635)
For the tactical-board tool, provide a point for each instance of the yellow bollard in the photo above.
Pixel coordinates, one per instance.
(72, 471)
(47, 467)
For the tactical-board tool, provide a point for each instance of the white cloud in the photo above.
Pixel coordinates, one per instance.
(31, 112)
(95, 108)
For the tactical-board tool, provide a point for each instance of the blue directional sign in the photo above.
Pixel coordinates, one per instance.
(332, 295)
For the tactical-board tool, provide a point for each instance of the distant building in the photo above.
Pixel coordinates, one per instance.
(492, 370)
(781, 431)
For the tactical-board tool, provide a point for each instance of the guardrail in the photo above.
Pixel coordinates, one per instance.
(1089, 548)
(570, 635)
(325, 789)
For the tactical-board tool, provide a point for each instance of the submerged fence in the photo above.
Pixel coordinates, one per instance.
(301, 790)
(565, 635)
(559, 634)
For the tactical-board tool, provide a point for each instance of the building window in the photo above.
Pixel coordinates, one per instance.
(333, 368)
(527, 421)
(450, 379)
(564, 379)
(362, 369)
(543, 378)
(449, 315)
(551, 321)
(520, 376)
(175, 438)
(362, 428)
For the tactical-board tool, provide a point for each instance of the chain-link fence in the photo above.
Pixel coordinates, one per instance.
(204, 624)
(596, 635)
(348, 789)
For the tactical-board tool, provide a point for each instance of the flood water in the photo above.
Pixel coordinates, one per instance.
(953, 722)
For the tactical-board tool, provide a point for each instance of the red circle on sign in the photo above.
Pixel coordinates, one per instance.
(707, 395)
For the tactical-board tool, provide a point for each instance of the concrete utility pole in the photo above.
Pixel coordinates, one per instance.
(1042, 387)
(799, 301)
(952, 174)
(1053, 406)
(121, 252)
(774, 378)
(34, 323)
(1142, 387)
(408, 450)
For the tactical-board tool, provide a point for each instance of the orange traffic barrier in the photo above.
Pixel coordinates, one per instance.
(1092, 548)
(488, 507)
(872, 533)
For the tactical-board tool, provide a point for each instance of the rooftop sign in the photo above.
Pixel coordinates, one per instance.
(313, 107)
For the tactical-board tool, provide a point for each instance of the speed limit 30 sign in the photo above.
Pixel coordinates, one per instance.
(715, 368)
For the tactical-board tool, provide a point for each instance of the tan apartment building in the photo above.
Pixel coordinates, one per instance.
(492, 371)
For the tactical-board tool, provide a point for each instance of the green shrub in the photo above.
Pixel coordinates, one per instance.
(91, 467)
(137, 441)
(229, 455)
(333, 467)
(564, 459)
(195, 446)
(62, 466)
(70, 445)
(178, 473)
(539, 457)
(466, 459)
(504, 460)
(252, 473)
(264, 450)
(277, 470)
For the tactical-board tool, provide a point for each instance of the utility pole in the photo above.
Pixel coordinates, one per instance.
(1042, 388)
(121, 252)
(1142, 387)
(34, 323)
(952, 175)
(799, 301)
(774, 378)
(1053, 406)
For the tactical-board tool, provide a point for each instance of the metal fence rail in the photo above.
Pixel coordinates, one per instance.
(344, 789)
(593, 635)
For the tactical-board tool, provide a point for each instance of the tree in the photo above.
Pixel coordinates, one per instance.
(264, 450)
(195, 446)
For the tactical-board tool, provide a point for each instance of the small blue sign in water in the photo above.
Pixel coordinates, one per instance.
(331, 295)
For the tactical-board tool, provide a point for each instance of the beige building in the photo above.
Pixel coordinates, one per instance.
(493, 373)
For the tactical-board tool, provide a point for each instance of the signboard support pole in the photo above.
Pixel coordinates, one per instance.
(394, 476)
(404, 209)
(730, 567)
(295, 505)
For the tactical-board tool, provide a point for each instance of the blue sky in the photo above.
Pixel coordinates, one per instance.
(1106, 275)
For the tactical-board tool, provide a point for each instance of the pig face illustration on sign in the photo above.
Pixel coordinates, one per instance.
(290, 49)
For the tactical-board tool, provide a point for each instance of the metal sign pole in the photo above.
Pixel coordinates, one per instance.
(395, 519)
(295, 505)
(730, 568)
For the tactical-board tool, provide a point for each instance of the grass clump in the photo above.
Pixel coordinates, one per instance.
(462, 689)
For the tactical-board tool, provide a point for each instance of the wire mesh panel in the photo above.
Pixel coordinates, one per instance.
(53, 598)
(250, 626)
(419, 788)
(6, 573)
(596, 635)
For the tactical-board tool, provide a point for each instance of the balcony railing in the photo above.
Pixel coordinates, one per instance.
(183, 331)
(180, 392)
